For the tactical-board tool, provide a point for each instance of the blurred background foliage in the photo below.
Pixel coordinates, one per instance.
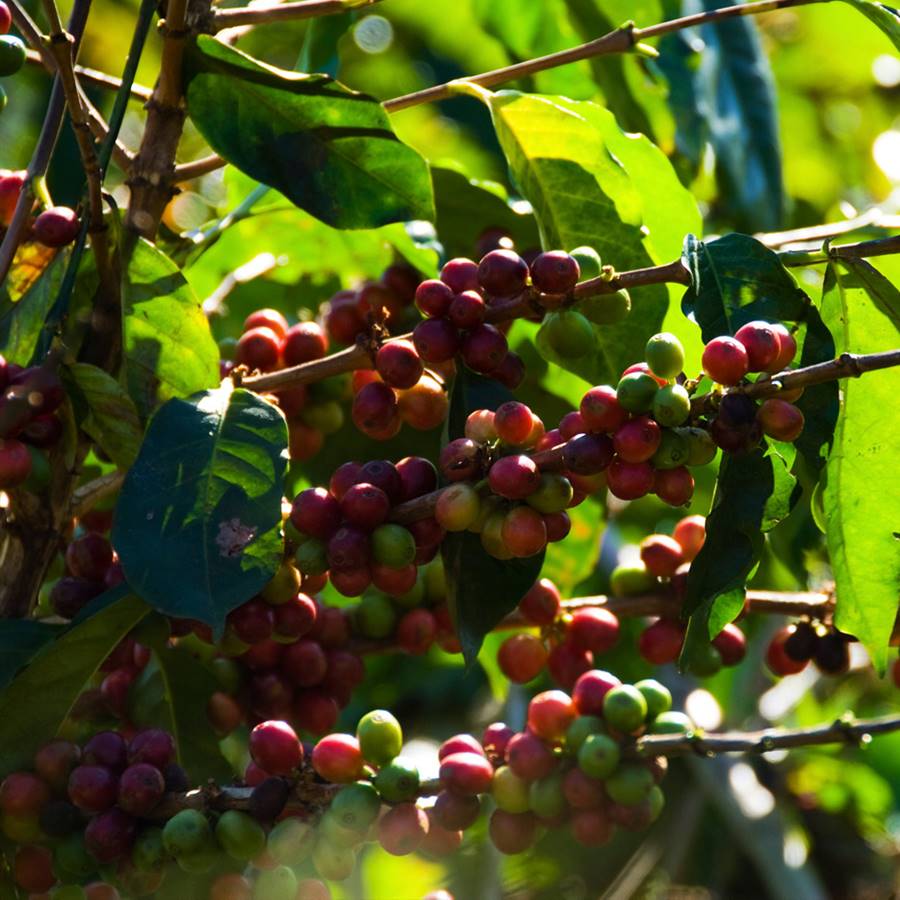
(817, 823)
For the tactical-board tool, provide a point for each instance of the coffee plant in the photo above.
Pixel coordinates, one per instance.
(401, 497)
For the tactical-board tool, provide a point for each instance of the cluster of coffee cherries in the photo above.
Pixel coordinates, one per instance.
(739, 421)
(81, 808)
(793, 647)
(12, 50)
(91, 567)
(55, 226)
(344, 530)
(28, 405)
(569, 330)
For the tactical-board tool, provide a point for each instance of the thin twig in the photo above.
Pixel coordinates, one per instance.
(265, 13)
(816, 234)
(89, 495)
(198, 167)
(86, 75)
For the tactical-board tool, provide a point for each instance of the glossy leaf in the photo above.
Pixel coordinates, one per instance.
(862, 493)
(20, 640)
(724, 93)
(330, 150)
(57, 676)
(172, 693)
(110, 416)
(169, 351)
(198, 523)
(886, 17)
(590, 183)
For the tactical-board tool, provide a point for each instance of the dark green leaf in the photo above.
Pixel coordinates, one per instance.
(330, 150)
(199, 517)
(111, 417)
(481, 590)
(20, 640)
(169, 351)
(172, 693)
(40, 698)
(887, 18)
(819, 403)
(590, 183)
(724, 93)
(862, 491)
(753, 493)
(737, 279)
(465, 207)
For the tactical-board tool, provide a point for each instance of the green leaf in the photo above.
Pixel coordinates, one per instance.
(887, 18)
(330, 150)
(754, 492)
(20, 640)
(572, 560)
(724, 93)
(110, 417)
(169, 351)
(466, 206)
(172, 693)
(198, 523)
(590, 183)
(40, 698)
(862, 492)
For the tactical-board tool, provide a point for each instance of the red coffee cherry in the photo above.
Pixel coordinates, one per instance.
(690, 532)
(593, 629)
(152, 746)
(398, 363)
(731, 644)
(54, 763)
(484, 348)
(629, 481)
(566, 663)
(581, 791)
(466, 773)
(512, 832)
(522, 657)
(777, 658)
(93, 788)
(304, 664)
(460, 274)
(459, 743)
(110, 835)
(349, 549)
(10, 185)
(725, 360)
(786, 352)
(33, 865)
(555, 272)
(141, 787)
(275, 747)
(558, 526)
(459, 460)
(456, 811)
(267, 318)
(467, 310)
(365, 506)
(762, 344)
(22, 794)
(600, 410)
(588, 454)
(495, 740)
(436, 340)
(590, 689)
(304, 342)
(661, 555)
(402, 829)
(258, 348)
(296, 617)
(416, 630)
(15, 463)
(780, 419)
(315, 711)
(502, 273)
(636, 441)
(674, 486)
(550, 713)
(542, 604)
(374, 407)
(571, 425)
(514, 477)
(343, 478)
(418, 476)
(511, 371)
(338, 758)
(252, 622)
(523, 532)
(316, 512)
(106, 748)
(89, 556)
(661, 642)
(529, 757)
(343, 318)
(591, 827)
(513, 422)
(433, 298)
(56, 227)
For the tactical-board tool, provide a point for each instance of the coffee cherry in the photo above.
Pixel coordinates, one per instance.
(106, 748)
(665, 355)
(304, 342)
(590, 689)
(627, 580)
(671, 723)
(316, 512)
(349, 549)
(522, 657)
(514, 477)
(635, 392)
(555, 272)
(542, 604)
(54, 763)
(671, 405)
(467, 310)
(706, 661)
(571, 425)
(690, 533)
(701, 447)
(384, 475)
(398, 363)
(600, 410)
(343, 318)
(12, 55)
(458, 506)
(365, 506)
(599, 756)
(92, 788)
(523, 532)
(591, 827)
(416, 631)
(23, 795)
(454, 811)
(511, 371)
(606, 309)
(375, 408)
(725, 360)
(33, 865)
(566, 663)
(252, 622)
(402, 829)
(801, 641)
(832, 656)
(569, 334)
(661, 555)
(657, 695)
(629, 481)
(258, 348)
(787, 349)
(780, 420)
(15, 463)
(762, 344)
(5, 18)
(777, 658)
(397, 781)
(275, 747)
(510, 792)
(546, 797)
(554, 494)
(589, 454)
(625, 708)
(511, 832)
(550, 713)
(433, 298)
(513, 422)
(674, 486)
(495, 739)
(596, 630)
(629, 784)
(110, 835)
(436, 340)
(338, 758)
(529, 757)
(459, 743)
(418, 476)
(380, 737)
(502, 273)
(466, 773)
(637, 440)
(460, 274)
(141, 787)
(480, 426)
(56, 226)
(459, 460)
(731, 644)
(484, 349)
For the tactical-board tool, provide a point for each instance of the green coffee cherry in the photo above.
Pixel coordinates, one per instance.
(398, 781)
(630, 784)
(70, 858)
(553, 494)
(335, 832)
(68, 892)
(148, 853)
(580, 730)
(635, 392)
(12, 55)
(312, 557)
(706, 661)
(375, 615)
(569, 334)
(599, 756)
(332, 862)
(606, 309)
(589, 262)
(240, 835)
(658, 697)
(671, 723)
(625, 708)
(356, 806)
(625, 581)
(290, 841)
(671, 405)
(393, 545)
(380, 737)
(655, 800)
(673, 451)
(415, 596)
(186, 832)
(546, 797)
(510, 792)
(701, 448)
(327, 417)
(664, 354)
(435, 581)
(227, 347)
(279, 883)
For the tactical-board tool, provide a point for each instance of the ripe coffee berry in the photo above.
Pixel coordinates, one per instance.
(725, 360)
(566, 663)
(459, 460)
(15, 463)
(636, 441)
(460, 274)
(93, 788)
(600, 409)
(590, 689)
(436, 340)
(466, 310)
(455, 811)
(275, 747)
(780, 420)
(513, 422)
(511, 371)
(398, 363)
(777, 658)
(56, 227)
(522, 657)
(502, 273)
(365, 506)
(661, 642)
(762, 344)
(258, 348)
(402, 829)
(596, 630)
(629, 481)
(512, 832)
(484, 349)
(514, 477)
(787, 349)
(466, 773)
(731, 644)
(542, 604)
(374, 407)
(304, 342)
(550, 713)
(690, 532)
(529, 757)
(141, 787)
(338, 758)
(661, 555)
(588, 454)
(106, 748)
(555, 272)
(316, 512)
(433, 297)
(523, 531)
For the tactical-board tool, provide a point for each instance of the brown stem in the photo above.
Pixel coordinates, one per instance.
(89, 495)
(95, 77)
(815, 234)
(283, 12)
